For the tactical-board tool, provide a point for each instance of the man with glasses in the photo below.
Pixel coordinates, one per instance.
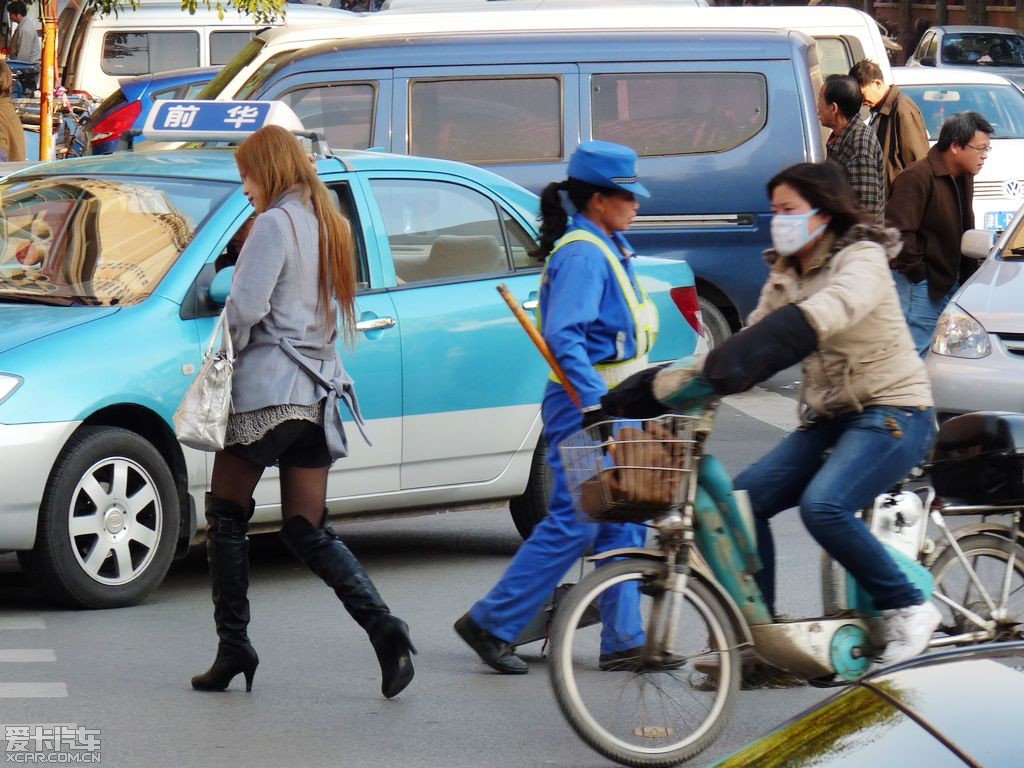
(932, 206)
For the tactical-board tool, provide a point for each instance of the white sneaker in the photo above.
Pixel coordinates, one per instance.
(908, 630)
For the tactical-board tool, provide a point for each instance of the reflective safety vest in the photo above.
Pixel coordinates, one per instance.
(642, 309)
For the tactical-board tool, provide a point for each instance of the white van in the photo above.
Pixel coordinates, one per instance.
(844, 36)
(94, 50)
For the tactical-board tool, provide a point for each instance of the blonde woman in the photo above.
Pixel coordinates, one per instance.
(285, 386)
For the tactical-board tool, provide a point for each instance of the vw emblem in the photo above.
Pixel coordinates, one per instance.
(1014, 188)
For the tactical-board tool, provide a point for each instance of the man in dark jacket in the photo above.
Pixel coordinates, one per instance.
(895, 117)
(852, 145)
(931, 205)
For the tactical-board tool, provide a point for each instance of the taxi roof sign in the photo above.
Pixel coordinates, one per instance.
(176, 120)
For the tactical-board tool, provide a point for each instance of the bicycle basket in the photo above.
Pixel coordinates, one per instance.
(639, 472)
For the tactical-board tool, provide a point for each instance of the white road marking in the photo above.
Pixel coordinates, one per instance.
(33, 691)
(769, 407)
(27, 655)
(22, 622)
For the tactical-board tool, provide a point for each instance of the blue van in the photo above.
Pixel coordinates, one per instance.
(713, 114)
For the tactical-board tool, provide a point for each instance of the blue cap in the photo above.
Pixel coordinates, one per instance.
(606, 165)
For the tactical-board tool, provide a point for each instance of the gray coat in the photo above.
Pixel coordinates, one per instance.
(276, 325)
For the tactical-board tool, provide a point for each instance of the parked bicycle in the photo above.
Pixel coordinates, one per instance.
(700, 604)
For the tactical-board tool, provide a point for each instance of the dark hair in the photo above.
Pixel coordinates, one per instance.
(554, 219)
(866, 72)
(844, 92)
(825, 187)
(17, 7)
(960, 129)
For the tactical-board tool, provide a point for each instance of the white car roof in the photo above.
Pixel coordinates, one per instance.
(946, 76)
(523, 17)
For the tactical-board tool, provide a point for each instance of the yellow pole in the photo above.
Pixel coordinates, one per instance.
(46, 78)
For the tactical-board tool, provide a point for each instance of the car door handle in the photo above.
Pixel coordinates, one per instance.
(531, 305)
(376, 324)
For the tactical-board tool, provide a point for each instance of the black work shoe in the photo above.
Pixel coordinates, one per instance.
(495, 652)
(632, 660)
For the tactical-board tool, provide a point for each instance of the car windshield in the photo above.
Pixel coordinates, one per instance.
(983, 49)
(99, 240)
(1002, 105)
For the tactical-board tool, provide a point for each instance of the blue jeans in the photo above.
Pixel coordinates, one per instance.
(920, 309)
(871, 452)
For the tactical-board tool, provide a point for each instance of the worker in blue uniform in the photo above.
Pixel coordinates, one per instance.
(600, 326)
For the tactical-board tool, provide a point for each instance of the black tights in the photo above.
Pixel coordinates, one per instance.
(303, 489)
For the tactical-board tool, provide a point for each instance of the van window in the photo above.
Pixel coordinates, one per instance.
(439, 230)
(487, 120)
(833, 56)
(678, 113)
(224, 46)
(227, 74)
(343, 113)
(139, 53)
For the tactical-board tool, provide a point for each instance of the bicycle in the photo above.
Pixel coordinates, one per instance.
(701, 607)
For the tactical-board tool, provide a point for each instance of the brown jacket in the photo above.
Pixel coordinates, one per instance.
(932, 209)
(900, 129)
(12, 135)
(865, 353)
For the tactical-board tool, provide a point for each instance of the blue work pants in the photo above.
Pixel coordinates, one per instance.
(871, 452)
(557, 542)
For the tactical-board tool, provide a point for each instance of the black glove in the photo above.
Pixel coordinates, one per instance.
(594, 417)
(633, 399)
(783, 338)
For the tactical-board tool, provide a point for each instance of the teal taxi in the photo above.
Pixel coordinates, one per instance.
(106, 265)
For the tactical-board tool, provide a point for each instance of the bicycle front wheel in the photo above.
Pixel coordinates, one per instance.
(671, 702)
(987, 555)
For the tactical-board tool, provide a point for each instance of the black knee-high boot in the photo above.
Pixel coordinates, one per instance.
(333, 562)
(227, 551)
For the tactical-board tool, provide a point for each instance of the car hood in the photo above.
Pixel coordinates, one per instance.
(24, 323)
(993, 295)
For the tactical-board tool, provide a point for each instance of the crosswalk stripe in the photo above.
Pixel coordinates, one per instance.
(22, 622)
(27, 655)
(33, 690)
(767, 406)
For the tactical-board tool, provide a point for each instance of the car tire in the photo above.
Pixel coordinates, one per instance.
(532, 507)
(716, 325)
(108, 521)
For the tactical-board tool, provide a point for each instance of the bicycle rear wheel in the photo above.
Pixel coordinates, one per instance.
(660, 714)
(988, 555)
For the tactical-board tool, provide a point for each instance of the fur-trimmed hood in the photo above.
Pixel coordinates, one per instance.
(887, 237)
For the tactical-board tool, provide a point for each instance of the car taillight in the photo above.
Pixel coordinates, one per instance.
(688, 303)
(116, 123)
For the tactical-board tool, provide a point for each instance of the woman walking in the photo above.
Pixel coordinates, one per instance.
(294, 272)
(600, 326)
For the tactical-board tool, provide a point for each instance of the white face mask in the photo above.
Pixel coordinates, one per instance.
(789, 231)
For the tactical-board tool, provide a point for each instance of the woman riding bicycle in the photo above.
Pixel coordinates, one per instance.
(867, 416)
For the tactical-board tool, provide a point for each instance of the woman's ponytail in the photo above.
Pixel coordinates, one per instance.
(553, 219)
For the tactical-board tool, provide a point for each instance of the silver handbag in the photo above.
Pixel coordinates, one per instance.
(201, 421)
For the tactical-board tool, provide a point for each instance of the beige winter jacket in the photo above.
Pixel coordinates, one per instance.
(865, 355)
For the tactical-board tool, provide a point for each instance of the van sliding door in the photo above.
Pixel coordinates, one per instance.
(709, 134)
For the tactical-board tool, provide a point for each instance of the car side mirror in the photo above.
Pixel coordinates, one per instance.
(220, 286)
(927, 61)
(977, 243)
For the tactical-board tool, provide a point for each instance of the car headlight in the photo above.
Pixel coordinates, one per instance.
(957, 334)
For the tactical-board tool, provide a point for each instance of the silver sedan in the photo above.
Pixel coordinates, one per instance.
(976, 360)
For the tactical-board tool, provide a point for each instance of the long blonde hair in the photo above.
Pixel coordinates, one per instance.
(275, 161)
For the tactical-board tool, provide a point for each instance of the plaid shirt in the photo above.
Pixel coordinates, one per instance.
(858, 152)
